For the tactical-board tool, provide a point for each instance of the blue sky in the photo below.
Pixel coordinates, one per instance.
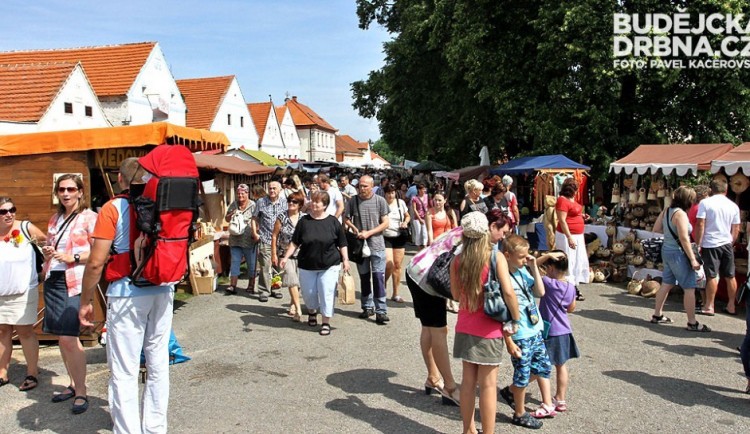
(312, 49)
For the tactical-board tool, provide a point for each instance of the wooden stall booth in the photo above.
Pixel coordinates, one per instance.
(30, 163)
(226, 172)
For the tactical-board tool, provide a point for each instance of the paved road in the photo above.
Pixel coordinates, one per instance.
(254, 370)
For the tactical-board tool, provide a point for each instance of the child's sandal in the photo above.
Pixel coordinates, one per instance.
(560, 406)
(544, 412)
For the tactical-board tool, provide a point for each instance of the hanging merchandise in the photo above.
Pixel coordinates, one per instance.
(616, 194)
(641, 196)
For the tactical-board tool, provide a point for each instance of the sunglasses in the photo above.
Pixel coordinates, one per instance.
(295, 202)
(68, 189)
(9, 210)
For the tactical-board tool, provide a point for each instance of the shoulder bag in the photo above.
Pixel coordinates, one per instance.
(237, 224)
(402, 232)
(439, 275)
(494, 303)
(694, 246)
(37, 251)
(355, 245)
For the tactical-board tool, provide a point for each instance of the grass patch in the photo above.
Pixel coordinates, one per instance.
(183, 296)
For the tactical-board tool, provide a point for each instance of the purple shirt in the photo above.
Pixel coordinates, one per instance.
(558, 295)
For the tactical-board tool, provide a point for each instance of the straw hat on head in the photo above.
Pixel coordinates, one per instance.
(475, 225)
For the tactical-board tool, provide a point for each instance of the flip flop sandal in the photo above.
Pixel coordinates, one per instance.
(312, 319)
(297, 317)
(325, 330)
(726, 311)
(4, 381)
(697, 327)
(64, 396)
(661, 319)
(397, 299)
(29, 383)
(230, 290)
(705, 312)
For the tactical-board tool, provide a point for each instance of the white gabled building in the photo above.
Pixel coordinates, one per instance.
(132, 81)
(47, 97)
(317, 137)
(217, 104)
(270, 140)
(288, 134)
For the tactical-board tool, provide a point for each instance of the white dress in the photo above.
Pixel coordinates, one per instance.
(18, 284)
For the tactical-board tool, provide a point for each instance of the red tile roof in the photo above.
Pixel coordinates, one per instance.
(346, 144)
(203, 97)
(374, 156)
(304, 116)
(280, 111)
(111, 69)
(26, 91)
(260, 112)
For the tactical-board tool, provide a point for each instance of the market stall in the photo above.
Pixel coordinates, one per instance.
(30, 162)
(227, 172)
(539, 177)
(454, 180)
(645, 180)
(735, 165)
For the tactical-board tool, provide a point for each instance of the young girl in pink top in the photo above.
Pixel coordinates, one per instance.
(479, 339)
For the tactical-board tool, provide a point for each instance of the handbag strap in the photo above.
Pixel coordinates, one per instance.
(674, 235)
(64, 226)
(25, 229)
(523, 287)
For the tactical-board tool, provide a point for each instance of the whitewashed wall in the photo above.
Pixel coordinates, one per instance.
(241, 133)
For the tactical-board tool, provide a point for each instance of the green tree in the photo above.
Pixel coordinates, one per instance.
(381, 148)
(537, 77)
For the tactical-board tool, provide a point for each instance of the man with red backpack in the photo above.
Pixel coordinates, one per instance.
(139, 312)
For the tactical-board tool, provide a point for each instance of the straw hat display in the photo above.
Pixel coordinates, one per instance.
(739, 183)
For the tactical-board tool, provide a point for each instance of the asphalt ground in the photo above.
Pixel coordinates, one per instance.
(254, 370)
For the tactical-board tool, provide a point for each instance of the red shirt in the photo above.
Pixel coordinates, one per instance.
(692, 218)
(574, 218)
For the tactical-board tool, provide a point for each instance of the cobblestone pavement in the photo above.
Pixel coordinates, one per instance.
(254, 370)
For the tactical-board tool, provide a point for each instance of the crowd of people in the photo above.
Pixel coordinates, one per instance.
(303, 232)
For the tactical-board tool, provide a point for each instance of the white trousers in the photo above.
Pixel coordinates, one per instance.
(135, 323)
(419, 233)
(578, 259)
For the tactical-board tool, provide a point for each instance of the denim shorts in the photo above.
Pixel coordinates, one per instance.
(677, 269)
(534, 360)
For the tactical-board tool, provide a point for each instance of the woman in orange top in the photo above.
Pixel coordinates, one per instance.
(439, 219)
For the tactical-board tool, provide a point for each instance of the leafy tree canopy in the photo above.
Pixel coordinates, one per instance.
(537, 77)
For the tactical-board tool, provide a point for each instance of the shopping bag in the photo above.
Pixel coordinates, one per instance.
(346, 289)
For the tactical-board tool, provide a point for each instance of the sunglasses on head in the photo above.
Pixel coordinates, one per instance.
(9, 210)
(68, 189)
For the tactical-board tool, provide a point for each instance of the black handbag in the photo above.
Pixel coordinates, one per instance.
(403, 232)
(694, 246)
(354, 243)
(439, 275)
(34, 247)
(494, 303)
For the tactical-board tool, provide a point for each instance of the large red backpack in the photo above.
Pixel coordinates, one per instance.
(162, 219)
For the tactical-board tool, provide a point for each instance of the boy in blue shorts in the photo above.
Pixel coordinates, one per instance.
(526, 346)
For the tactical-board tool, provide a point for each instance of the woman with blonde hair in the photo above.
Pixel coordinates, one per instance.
(479, 339)
(473, 201)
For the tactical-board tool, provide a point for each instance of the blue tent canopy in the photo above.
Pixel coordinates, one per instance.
(530, 164)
